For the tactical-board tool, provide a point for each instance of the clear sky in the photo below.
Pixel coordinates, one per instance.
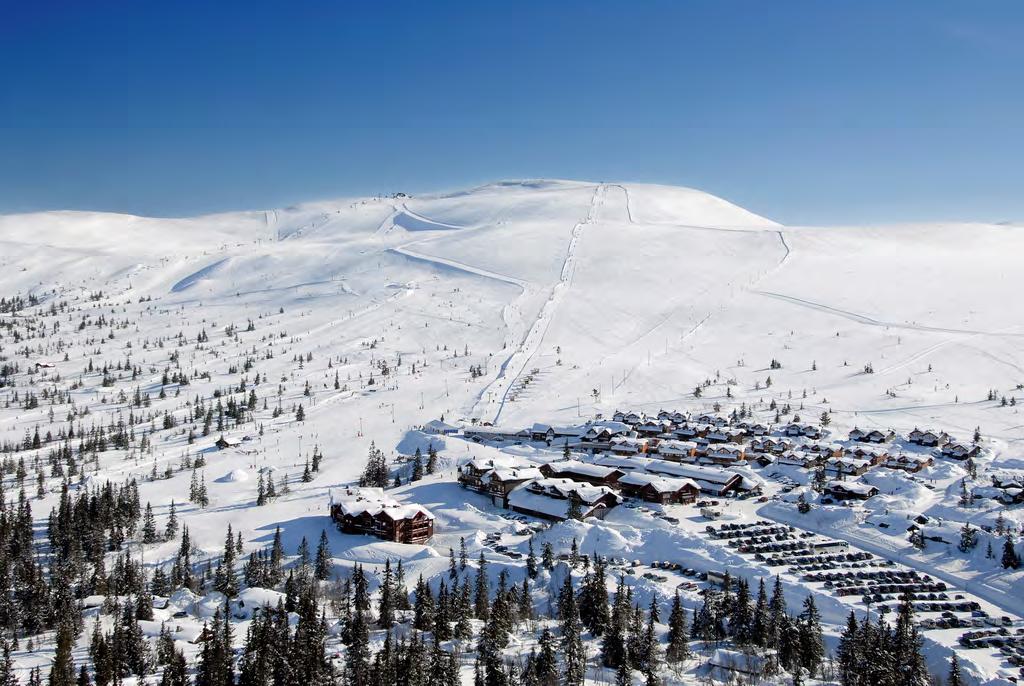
(807, 112)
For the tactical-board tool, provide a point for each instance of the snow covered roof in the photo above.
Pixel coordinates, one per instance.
(858, 487)
(439, 427)
(583, 468)
(691, 471)
(513, 473)
(551, 496)
(373, 501)
(673, 447)
(662, 484)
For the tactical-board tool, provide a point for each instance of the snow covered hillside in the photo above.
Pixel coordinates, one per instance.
(358, 321)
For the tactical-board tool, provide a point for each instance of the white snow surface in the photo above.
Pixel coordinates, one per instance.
(574, 299)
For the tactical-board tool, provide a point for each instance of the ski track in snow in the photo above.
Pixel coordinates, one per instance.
(863, 319)
(533, 339)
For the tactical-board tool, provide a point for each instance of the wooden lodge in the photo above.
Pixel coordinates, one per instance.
(551, 499)
(370, 511)
(664, 490)
(850, 490)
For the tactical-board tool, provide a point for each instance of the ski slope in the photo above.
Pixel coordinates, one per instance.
(572, 299)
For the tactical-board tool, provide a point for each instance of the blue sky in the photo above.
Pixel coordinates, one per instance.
(807, 112)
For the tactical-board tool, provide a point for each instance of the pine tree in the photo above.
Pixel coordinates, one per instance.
(171, 529)
(417, 466)
(776, 613)
(423, 607)
(1010, 558)
(149, 526)
(546, 664)
(574, 655)
(678, 648)
(812, 648)
(741, 619)
(226, 581)
(593, 601)
(481, 600)
(322, 568)
(954, 678)
(968, 538)
(431, 459)
(575, 507)
(531, 560)
(176, 672)
(62, 673)
(907, 646)
(357, 656)
(848, 653)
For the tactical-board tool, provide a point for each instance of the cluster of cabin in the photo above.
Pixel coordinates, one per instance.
(1008, 486)
(372, 512)
(597, 483)
(709, 440)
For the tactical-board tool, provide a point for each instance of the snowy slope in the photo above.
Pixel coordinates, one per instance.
(572, 298)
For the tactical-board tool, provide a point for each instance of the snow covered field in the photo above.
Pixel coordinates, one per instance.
(511, 303)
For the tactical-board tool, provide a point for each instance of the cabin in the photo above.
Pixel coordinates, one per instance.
(691, 432)
(371, 512)
(550, 499)
(628, 445)
(653, 427)
(712, 419)
(770, 444)
(549, 434)
(823, 449)
(872, 436)
(754, 428)
(711, 480)
(960, 451)
(850, 490)
(440, 428)
(471, 474)
(679, 451)
(583, 472)
(797, 429)
(225, 442)
(674, 417)
(501, 481)
(725, 453)
(872, 455)
(798, 458)
(725, 434)
(492, 434)
(907, 463)
(598, 437)
(930, 439)
(1010, 486)
(847, 466)
(663, 490)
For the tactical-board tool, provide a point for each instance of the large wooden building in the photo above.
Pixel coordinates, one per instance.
(370, 511)
(551, 498)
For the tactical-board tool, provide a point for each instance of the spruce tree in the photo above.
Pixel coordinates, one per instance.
(1010, 558)
(481, 600)
(62, 672)
(954, 678)
(574, 655)
(322, 567)
(678, 648)
(812, 648)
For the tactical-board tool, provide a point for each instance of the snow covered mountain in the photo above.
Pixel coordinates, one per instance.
(510, 303)
(617, 294)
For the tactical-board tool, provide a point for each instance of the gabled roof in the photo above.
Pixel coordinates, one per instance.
(373, 501)
(661, 484)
